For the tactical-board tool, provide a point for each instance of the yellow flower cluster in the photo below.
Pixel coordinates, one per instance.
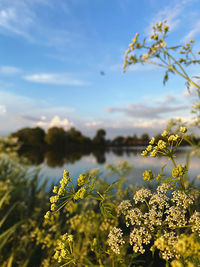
(177, 172)
(82, 179)
(132, 46)
(64, 249)
(148, 175)
(162, 146)
(80, 194)
(188, 247)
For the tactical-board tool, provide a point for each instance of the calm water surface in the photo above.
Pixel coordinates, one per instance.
(78, 163)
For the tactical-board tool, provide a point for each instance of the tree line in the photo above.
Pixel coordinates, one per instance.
(57, 138)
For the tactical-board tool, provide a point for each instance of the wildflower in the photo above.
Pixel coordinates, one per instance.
(152, 141)
(133, 217)
(161, 144)
(195, 220)
(115, 239)
(54, 199)
(183, 129)
(134, 40)
(61, 191)
(70, 238)
(141, 195)
(138, 237)
(80, 194)
(149, 148)
(55, 189)
(56, 255)
(173, 138)
(82, 179)
(47, 216)
(166, 28)
(53, 207)
(148, 175)
(181, 199)
(64, 237)
(163, 44)
(131, 46)
(145, 57)
(124, 207)
(144, 153)
(154, 153)
(128, 51)
(165, 133)
(177, 172)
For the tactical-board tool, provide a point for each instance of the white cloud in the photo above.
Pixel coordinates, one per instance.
(193, 32)
(141, 110)
(170, 13)
(56, 121)
(55, 79)
(9, 70)
(20, 17)
(22, 111)
(94, 124)
(2, 109)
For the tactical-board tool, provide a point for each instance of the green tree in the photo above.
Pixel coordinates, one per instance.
(56, 137)
(76, 137)
(30, 136)
(99, 138)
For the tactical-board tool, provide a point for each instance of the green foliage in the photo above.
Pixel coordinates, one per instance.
(30, 136)
(99, 138)
(56, 137)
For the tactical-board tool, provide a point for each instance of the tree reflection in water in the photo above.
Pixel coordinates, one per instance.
(57, 158)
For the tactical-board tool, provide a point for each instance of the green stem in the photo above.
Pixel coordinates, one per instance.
(173, 162)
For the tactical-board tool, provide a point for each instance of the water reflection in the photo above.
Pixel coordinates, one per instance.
(59, 158)
(52, 163)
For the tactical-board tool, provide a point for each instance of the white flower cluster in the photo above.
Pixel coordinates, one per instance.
(138, 237)
(195, 221)
(115, 239)
(123, 207)
(141, 195)
(163, 216)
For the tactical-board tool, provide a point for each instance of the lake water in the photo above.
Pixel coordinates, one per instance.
(53, 164)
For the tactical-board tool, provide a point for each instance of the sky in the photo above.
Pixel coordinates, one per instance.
(53, 53)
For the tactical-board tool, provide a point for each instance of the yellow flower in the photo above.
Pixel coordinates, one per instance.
(183, 129)
(149, 148)
(161, 144)
(165, 133)
(144, 153)
(152, 141)
(145, 57)
(128, 51)
(177, 172)
(148, 175)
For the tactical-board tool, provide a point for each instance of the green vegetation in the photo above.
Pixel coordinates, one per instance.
(93, 223)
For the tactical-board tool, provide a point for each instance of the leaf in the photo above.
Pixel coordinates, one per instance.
(4, 198)
(6, 234)
(166, 77)
(10, 261)
(174, 47)
(162, 169)
(111, 186)
(7, 213)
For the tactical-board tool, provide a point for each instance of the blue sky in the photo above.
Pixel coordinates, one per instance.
(52, 53)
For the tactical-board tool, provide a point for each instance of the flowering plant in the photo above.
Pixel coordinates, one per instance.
(164, 222)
